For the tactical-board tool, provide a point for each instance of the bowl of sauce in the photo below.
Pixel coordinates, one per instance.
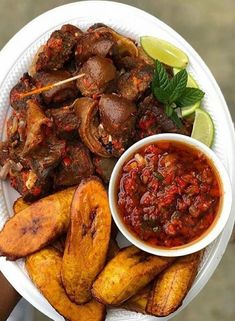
(170, 195)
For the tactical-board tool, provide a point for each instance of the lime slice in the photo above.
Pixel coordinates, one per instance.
(188, 110)
(164, 51)
(203, 127)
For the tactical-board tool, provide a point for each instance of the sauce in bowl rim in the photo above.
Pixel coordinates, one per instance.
(222, 215)
(146, 201)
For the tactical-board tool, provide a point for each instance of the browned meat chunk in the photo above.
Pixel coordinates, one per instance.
(92, 44)
(117, 114)
(75, 31)
(99, 72)
(59, 94)
(58, 50)
(29, 186)
(128, 63)
(153, 120)
(38, 125)
(131, 85)
(117, 117)
(45, 158)
(96, 26)
(4, 152)
(65, 121)
(12, 151)
(25, 84)
(104, 167)
(75, 166)
(11, 159)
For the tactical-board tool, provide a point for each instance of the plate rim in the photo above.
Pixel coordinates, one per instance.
(9, 268)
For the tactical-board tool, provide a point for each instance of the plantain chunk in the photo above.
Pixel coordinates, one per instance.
(128, 272)
(19, 205)
(138, 302)
(172, 285)
(87, 240)
(44, 268)
(36, 226)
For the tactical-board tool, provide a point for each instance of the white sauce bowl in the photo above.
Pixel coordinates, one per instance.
(221, 217)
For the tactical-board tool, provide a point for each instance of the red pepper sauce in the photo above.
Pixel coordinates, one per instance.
(168, 194)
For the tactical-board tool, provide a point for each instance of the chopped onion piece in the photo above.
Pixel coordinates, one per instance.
(140, 159)
(31, 180)
(5, 170)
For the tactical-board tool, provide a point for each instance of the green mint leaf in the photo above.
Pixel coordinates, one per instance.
(162, 75)
(189, 97)
(161, 95)
(175, 118)
(177, 85)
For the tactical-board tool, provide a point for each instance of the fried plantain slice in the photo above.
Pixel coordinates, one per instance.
(19, 205)
(87, 240)
(44, 268)
(138, 302)
(172, 285)
(37, 225)
(128, 272)
(112, 250)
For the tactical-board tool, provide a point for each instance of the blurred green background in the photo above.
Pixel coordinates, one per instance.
(209, 26)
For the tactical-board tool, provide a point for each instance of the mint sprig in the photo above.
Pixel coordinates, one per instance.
(190, 96)
(173, 93)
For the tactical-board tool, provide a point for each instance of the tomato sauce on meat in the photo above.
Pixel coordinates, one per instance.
(168, 194)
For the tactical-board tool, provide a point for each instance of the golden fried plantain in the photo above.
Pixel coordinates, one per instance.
(138, 302)
(112, 250)
(87, 240)
(44, 268)
(19, 205)
(37, 225)
(172, 285)
(128, 272)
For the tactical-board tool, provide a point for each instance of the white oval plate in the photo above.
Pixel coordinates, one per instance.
(15, 59)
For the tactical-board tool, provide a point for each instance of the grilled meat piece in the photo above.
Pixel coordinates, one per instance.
(99, 72)
(29, 185)
(75, 166)
(73, 30)
(58, 49)
(131, 85)
(4, 152)
(96, 26)
(66, 122)
(128, 63)
(38, 126)
(13, 151)
(153, 120)
(104, 167)
(45, 158)
(59, 94)
(117, 117)
(25, 84)
(94, 44)
(117, 114)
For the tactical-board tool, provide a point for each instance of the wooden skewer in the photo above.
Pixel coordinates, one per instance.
(48, 87)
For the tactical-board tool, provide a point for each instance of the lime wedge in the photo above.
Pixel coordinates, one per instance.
(203, 127)
(164, 51)
(188, 110)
